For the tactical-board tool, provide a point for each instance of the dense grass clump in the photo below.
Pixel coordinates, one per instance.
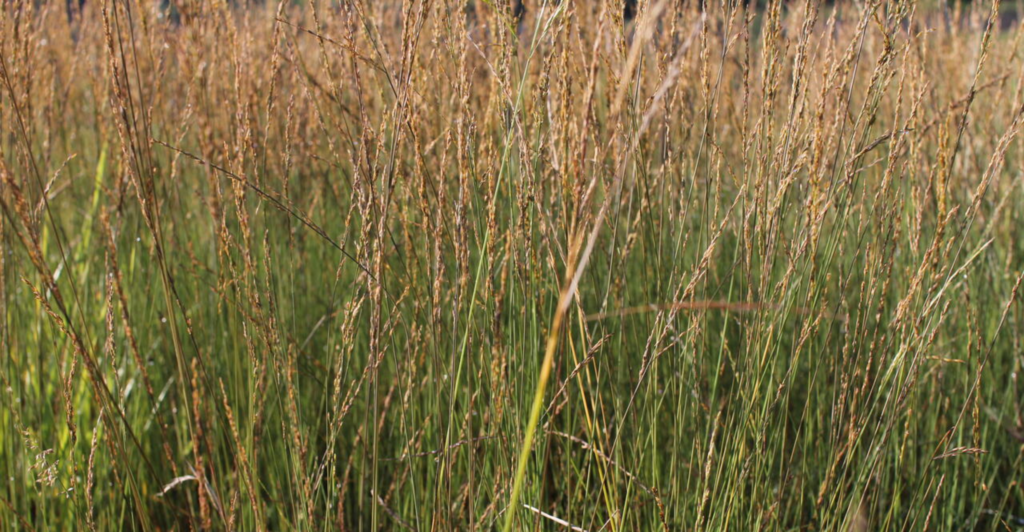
(455, 265)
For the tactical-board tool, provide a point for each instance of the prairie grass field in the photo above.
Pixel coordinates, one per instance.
(576, 265)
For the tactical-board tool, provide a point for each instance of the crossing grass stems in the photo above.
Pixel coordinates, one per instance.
(449, 265)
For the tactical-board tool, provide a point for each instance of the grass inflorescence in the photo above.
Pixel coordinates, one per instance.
(558, 265)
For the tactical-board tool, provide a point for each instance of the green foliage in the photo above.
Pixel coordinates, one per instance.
(407, 265)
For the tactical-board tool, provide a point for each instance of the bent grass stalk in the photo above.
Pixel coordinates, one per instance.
(804, 313)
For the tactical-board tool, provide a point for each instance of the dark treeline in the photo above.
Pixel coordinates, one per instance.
(520, 7)
(1008, 15)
